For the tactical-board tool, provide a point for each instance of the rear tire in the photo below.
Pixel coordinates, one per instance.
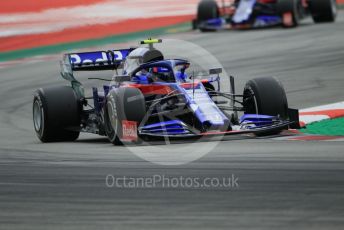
(266, 96)
(56, 114)
(207, 9)
(122, 104)
(290, 8)
(323, 10)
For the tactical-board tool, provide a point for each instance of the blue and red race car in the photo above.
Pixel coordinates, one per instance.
(151, 96)
(245, 14)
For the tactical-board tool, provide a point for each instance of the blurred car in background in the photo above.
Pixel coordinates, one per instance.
(246, 14)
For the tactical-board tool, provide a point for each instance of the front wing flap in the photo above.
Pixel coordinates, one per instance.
(270, 128)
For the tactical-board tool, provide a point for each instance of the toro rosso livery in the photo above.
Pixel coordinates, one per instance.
(243, 14)
(150, 96)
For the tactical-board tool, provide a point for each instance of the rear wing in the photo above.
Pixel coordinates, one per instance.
(98, 60)
(90, 61)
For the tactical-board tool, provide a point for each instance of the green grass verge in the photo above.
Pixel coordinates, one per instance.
(44, 50)
(331, 127)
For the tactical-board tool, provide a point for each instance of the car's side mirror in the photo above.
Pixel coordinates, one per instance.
(215, 71)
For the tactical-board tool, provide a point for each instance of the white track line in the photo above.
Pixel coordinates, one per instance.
(323, 112)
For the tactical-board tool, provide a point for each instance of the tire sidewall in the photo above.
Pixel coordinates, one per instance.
(263, 103)
(38, 98)
(113, 125)
(126, 104)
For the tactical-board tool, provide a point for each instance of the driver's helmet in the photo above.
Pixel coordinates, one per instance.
(161, 74)
(139, 56)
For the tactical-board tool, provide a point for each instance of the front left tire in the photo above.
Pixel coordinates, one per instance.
(122, 104)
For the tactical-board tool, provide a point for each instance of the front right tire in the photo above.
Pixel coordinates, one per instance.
(323, 10)
(266, 96)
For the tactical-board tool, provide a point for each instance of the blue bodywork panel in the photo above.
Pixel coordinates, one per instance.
(257, 119)
(172, 127)
(267, 20)
(216, 22)
(98, 59)
(244, 11)
(204, 107)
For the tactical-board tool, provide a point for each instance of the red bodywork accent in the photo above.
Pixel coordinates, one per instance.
(152, 89)
(162, 89)
(189, 85)
(266, 1)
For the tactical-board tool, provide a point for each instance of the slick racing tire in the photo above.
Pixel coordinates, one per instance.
(323, 10)
(56, 114)
(122, 104)
(266, 96)
(207, 9)
(290, 9)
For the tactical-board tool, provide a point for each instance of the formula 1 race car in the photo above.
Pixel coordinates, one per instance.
(245, 14)
(155, 97)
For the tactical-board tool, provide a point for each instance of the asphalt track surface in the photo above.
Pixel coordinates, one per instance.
(282, 184)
